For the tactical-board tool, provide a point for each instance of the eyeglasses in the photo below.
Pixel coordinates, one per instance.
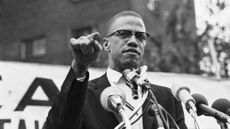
(124, 34)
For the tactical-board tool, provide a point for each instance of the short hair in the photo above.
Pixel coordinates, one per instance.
(121, 14)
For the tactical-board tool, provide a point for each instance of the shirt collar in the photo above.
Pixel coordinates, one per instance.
(113, 75)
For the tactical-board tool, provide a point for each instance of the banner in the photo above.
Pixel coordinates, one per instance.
(27, 91)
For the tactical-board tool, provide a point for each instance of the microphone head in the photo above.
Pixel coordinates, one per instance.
(222, 105)
(176, 88)
(107, 93)
(200, 99)
(128, 74)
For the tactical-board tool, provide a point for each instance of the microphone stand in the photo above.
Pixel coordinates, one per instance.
(125, 119)
(159, 115)
(145, 85)
(118, 104)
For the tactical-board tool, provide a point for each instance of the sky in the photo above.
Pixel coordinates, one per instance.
(221, 17)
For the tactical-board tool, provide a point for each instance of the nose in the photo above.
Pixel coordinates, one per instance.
(132, 41)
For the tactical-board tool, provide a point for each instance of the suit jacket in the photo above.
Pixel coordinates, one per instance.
(78, 106)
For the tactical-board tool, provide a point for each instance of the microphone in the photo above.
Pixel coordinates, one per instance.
(135, 78)
(113, 99)
(202, 108)
(222, 105)
(182, 93)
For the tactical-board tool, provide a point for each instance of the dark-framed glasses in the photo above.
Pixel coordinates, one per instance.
(124, 34)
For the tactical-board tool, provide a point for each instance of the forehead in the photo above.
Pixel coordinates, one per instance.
(128, 23)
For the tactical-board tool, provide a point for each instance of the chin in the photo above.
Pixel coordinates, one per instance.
(131, 64)
(127, 63)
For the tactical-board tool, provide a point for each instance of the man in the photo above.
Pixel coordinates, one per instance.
(78, 104)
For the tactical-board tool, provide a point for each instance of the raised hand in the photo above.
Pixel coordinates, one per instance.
(86, 50)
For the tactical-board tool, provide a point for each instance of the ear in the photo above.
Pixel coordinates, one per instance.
(106, 45)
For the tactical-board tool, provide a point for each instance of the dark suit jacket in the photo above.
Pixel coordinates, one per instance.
(78, 106)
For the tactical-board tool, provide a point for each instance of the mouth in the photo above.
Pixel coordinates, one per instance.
(132, 51)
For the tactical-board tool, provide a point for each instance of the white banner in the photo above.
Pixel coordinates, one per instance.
(27, 91)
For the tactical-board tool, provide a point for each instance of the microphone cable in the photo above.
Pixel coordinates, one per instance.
(196, 124)
(142, 73)
(154, 100)
(173, 120)
(167, 114)
(140, 115)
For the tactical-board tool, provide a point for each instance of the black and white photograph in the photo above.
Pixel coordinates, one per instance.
(114, 64)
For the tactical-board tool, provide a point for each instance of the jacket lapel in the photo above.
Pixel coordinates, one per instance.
(100, 84)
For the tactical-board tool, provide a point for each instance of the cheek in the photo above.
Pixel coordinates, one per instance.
(114, 50)
(116, 46)
(143, 46)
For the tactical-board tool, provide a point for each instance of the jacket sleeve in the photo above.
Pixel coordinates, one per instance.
(66, 111)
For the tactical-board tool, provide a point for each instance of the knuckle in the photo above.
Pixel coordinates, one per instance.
(82, 37)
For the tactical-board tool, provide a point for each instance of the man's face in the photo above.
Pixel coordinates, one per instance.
(126, 51)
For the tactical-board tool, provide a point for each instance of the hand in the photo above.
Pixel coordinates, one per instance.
(86, 50)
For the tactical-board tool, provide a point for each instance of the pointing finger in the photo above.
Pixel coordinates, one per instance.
(95, 36)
